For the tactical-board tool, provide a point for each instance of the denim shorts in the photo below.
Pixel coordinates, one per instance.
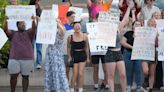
(113, 56)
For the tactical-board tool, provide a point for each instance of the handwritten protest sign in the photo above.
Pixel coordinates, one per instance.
(101, 36)
(144, 44)
(63, 9)
(20, 13)
(3, 38)
(47, 15)
(109, 17)
(67, 34)
(78, 12)
(47, 28)
(161, 44)
(55, 10)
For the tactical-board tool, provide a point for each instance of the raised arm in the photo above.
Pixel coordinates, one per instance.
(120, 4)
(133, 15)
(138, 2)
(89, 3)
(69, 48)
(61, 28)
(33, 29)
(126, 16)
(87, 48)
(6, 30)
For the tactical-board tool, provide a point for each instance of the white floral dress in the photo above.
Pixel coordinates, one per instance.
(55, 75)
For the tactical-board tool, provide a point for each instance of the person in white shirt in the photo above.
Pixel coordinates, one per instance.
(148, 10)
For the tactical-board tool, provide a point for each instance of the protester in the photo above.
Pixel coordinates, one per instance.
(95, 61)
(162, 88)
(114, 58)
(97, 6)
(148, 10)
(133, 67)
(38, 45)
(78, 53)
(149, 66)
(55, 75)
(123, 5)
(21, 53)
(68, 26)
(71, 18)
(158, 75)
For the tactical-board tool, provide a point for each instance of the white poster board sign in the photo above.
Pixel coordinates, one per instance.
(78, 12)
(109, 17)
(47, 28)
(67, 34)
(161, 44)
(101, 36)
(3, 38)
(55, 10)
(20, 13)
(144, 44)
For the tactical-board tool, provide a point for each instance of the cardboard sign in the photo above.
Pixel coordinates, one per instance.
(101, 36)
(161, 44)
(144, 44)
(47, 28)
(109, 17)
(20, 13)
(3, 38)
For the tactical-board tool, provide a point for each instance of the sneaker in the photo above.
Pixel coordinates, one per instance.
(38, 67)
(161, 88)
(106, 90)
(128, 89)
(140, 89)
(102, 86)
(95, 89)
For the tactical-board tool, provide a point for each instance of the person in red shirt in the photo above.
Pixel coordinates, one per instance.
(123, 5)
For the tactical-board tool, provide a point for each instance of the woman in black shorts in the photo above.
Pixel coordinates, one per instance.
(78, 52)
(149, 67)
(114, 58)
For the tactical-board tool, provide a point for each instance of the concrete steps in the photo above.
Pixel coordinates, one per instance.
(37, 77)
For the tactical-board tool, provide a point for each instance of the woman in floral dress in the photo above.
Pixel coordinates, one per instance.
(55, 76)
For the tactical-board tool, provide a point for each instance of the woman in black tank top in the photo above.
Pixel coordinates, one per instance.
(78, 52)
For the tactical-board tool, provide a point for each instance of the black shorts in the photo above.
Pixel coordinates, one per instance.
(79, 56)
(113, 56)
(96, 59)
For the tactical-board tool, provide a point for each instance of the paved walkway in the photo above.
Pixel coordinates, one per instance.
(41, 89)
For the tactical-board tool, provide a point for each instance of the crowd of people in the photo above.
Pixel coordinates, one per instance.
(57, 64)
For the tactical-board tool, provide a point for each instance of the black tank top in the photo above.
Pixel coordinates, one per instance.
(77, 45)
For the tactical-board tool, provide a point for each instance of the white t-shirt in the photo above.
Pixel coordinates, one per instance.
(147, 13)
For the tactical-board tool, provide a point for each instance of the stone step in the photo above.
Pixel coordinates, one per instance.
(37, 77)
